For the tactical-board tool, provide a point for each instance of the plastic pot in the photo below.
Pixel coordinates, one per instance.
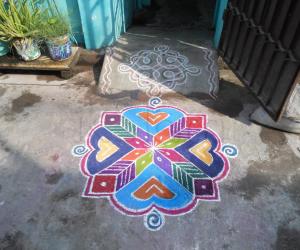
(27, 48)
(60, 48)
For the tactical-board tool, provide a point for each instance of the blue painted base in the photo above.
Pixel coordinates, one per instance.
(4, 48)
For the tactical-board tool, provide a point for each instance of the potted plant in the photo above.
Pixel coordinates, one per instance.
(56, 32)
(19, 25)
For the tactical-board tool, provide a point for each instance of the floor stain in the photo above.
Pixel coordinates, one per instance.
(70, 215)
(49, 77)
(4, 77)
(252, 184)
(27, 99)
(287, 239)
(3, 144)
(12, 241)
(226, 246)
(264, 175)
(273, 137)
(34, 218)
(294, 190)
(54, 178)
(63, 195)
(91, 96)
(54, 157)
(2, 91)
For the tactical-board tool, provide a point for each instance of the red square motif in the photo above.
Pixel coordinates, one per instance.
(104, 184)
(194, 122)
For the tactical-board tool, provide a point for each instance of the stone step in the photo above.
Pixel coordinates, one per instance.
(158, 62)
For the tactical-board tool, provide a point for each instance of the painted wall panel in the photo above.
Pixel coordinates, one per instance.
(98, 23)
(70, 8)
(104, 20)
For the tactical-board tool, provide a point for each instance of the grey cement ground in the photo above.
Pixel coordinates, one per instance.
(42, 117)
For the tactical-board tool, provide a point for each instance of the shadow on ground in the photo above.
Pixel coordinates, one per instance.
(231, 101)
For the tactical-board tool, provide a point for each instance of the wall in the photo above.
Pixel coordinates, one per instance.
(72, 9)
(98, 23)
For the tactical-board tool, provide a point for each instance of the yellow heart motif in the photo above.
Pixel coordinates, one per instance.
(107, 149)
(201, 150)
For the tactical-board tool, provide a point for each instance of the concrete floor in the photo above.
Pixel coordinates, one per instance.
(42, 117)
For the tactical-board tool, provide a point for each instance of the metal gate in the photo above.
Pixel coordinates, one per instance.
(261, 44)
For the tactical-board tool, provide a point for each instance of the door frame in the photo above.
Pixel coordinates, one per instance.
(221, 5)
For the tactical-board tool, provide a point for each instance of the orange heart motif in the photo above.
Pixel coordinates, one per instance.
(153, 119)
(153, 187)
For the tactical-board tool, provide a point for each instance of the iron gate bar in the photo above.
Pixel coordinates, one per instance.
(250, 8)
(259, 11)
(241, 4)
(270, 14)
(234, 37)
(275, 69)
(245, 27)
(293, 23)
(247, 53)
(264, 67)
(228, 20)
(253, 66)
(295, 47)
(279, 21)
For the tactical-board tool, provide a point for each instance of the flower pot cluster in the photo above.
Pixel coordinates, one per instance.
(25, 27)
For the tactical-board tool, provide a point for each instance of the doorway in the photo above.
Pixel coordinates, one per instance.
(178, 14)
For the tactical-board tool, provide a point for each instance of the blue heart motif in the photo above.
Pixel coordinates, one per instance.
(182, 197)
(133, 115)
(93, 166)
(216, 167)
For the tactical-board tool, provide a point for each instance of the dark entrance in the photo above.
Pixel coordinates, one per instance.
(261, 44)
(179, 14)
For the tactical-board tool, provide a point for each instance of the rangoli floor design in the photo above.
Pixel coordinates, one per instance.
(153, 160)
(159, 68)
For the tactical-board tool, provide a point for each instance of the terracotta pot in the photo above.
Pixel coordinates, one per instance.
(60, 48)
